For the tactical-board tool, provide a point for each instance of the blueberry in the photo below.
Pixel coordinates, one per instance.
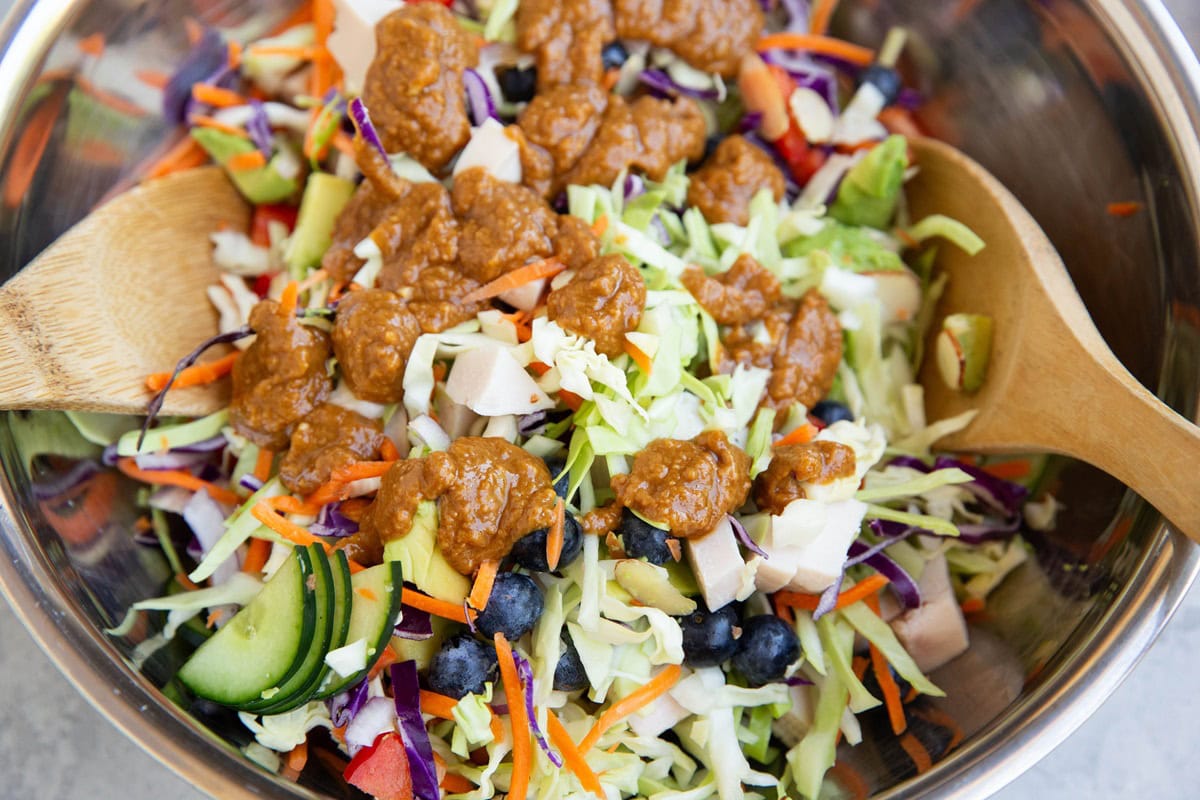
(569, 675)
(519, 85)
(767, 647)
(462, 667)
(563, 484)
(513, 607)
(614, 55)
(885, 79)
(530, 549)
(708, 638)
(710, 145)
(830, 412)
(642, 540)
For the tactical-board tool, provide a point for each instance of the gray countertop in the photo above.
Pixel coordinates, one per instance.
(53, 745)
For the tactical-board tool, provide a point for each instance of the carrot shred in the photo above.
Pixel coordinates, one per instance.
(298, 757)
(286, 504)
(825, 45)
(600, 225)
(858, 665)
(92, 45)
(385, 660)
(205, 121)
(573, 759)
(289, 299)
(437, 705)
(850, 780)
(972, 605)
(900, 120)
(343, 143)
(262, 464)
(256, 556)
(306, 53)
(312, 280)
(1010, 470)
(212, 618)
(153, 78)
(808, 602)
(539, 368)
(30, 148)
(244, 162)
(185, 154)
(641, 697)
(822, 13)
(342, 477)
(324, 68)
(481, 590)
(388, 451)
(235, 54)
(554, 539)
(169, 477)
(891, 691)
(289, 530)
(917, 752)
(643, 361)
(522, 753)
(216, 96)
(611, 77)
(456, 784)
(439, 608)
(570, 399)
(193, 29)
(1126, 209)
(937, 717)
(195, 375)
(520, 276)
(802, 435)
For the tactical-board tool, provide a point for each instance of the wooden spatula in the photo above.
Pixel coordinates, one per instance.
(118, 297)
(1053, 385)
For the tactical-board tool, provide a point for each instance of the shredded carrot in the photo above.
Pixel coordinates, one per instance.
(92, 45)
(554, 539)
(611, 77)
(825, 45)
(859, 591)
(185, 154)
(256, 556)
(1010, 470)
(361, 470)
(600, 225)
(485, 578)
(343, 143)
(286, 528)
(973, 605)
(169, 477)
(573, 759)
(244, 162)
(539, 368)
(439, 608)
(887, 683)
(783, 611)
(205, 121)
(802, 435)
(193, 29)
(291, 505)
(643, 361)
(850, 780)
(858, 665)
(385, 660)
(522, 753)
(308, 53)
(212, 618)
(917, 752)
(195, 375)
(312, 280)
(30, 148)
(289, 300)
(1127, 209)
(298, 757)
(456, 784)
(186, 582)
(153, 78)
(216, 96)
(324, 71)
(641, 697)
(437, 705)
(388, 451)
(822, 12)
(900, 120)
(570, 399)
(142, 524)
(262, 464)
(520, 276)
(937, 717)
(235, 54)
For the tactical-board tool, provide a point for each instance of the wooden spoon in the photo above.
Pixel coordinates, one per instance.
(1052, 385)
(118, 297)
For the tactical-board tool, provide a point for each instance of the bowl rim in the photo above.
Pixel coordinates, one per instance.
(1157, 52)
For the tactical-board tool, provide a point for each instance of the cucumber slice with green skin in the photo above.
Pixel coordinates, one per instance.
(376, 593)
(263, 645)
(297, 689)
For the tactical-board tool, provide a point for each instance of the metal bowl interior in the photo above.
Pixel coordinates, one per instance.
(1072, 103)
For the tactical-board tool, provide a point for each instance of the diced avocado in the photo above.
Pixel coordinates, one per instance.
(324, 197)
(260, 185)
(869, 192)
(423, 563)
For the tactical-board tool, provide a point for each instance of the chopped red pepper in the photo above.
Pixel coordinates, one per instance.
(381, 770)
(262, 284)
(264, 215)
(802, 159)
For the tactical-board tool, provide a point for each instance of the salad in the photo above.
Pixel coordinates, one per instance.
(574, 445)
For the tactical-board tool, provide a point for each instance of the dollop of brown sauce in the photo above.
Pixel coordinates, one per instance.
(603, 302)
(329, 437)
(567, 37)
(414, 87)
(503, 226)
(558, 125)
(711, 35)
(280, 378)
(793, 464)
(490, 493)
(373, 335)
(803, 351)
(688, 486)
(436, 298)
(723, 188)
(737, 296)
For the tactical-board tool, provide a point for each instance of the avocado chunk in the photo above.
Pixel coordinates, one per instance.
(422, 560)
(324, 197)
(260, 185)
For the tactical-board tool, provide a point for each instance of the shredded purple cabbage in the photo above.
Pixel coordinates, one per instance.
(901, 582)
(659, 81)
(1003, 497)
(259, 128)
(798, 14)
(829, 597)
(807, 74)
(468, 613)
(860, 557)
(209, 58)
(362, 121)
(332, 522)
(406, 692)
(796, 680)
(169, 461)
(479, 98)
(344, 707)
(414, 624)
(739, 530)
(635, 186)
(250, 483)
(529, 424)
(525, 671)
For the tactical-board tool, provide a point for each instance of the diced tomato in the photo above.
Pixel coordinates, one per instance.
(381, 770)
(264, 215)
(802, 158)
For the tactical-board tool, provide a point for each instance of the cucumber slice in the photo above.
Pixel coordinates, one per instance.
(297, 689)
(373, 614)
(263, 645)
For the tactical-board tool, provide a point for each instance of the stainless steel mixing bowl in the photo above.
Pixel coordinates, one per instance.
(1073, 103)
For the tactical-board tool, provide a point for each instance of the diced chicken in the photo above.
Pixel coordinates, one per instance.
(490, 382)
(352, 42)
(821, 560)
(935, 633)
(504, 427)
(526, 296)
(456, 419)
(717, 564)
(791, 727)
(493, 149)
(659, 717)
(900, 293)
